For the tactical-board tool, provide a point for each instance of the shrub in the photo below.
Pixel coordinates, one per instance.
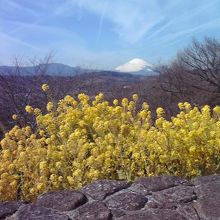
(78, 141)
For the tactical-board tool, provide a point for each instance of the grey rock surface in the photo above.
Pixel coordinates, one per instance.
(94, 210)
(62, 200)
(170, 198)
(125, 201)
(208, 201)
(98, 190)
(188, 211)
(153, 198)
(154, 214)
(161, 182)
(32, 212)
(8, 208)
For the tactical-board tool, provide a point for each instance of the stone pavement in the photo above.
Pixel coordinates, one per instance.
(151, 198)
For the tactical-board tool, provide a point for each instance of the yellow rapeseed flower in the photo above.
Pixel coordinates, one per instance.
(29, 109)
(14, 117)
(160, 112)
(115, 102)
(135, 97)
(79, 142)
(45, 87)
(49, 106)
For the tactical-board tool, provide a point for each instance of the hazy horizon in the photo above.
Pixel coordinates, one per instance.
(103, 34)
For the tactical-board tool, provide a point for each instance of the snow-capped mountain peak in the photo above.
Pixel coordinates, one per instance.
(134, 65)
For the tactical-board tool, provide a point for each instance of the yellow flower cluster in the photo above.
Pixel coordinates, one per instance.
(45, 87)
(14, 117)
(81, 140)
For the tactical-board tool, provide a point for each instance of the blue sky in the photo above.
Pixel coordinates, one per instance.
(103, 33)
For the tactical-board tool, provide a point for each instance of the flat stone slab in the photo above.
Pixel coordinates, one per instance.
(94, 210)
(205, 179)
(8, 208)
(188, 211)
(32, 212)
(65, 200)
(125, 201)
(153, 198)
(171, 197)
(161, 182)
(100, 189)
(139, 189)
(154, 214)
(208, 202)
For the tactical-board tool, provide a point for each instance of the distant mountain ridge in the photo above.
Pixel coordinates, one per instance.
(134, 67)
(47, 69)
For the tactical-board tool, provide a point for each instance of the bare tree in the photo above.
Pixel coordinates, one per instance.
(203, 60)
(19, 85)
(194, 75)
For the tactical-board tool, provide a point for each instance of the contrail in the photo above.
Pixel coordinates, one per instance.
(101, 21)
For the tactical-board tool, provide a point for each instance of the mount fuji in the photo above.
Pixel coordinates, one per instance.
(137, 66)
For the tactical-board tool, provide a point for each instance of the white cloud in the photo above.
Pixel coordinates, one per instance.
(12, 46)
(140, 25)
(14, 6)
(134, 20)
(130, 20)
